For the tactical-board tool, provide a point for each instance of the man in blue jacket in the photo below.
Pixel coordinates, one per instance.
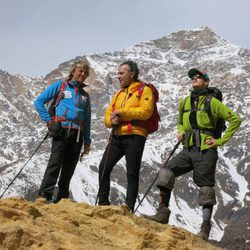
(69, 126)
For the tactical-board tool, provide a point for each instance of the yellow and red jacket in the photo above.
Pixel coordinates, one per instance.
(131, 107)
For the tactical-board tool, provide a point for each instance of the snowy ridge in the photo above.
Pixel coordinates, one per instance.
(237, 178)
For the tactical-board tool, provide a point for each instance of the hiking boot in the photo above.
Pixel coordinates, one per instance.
(127, 208)
(46, 196)
(205, 230)
(103, 202)
(56, 200)
(162, 215)
(59, 197)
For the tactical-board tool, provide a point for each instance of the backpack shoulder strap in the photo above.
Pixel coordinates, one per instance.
(183, 110)
(60, 93)
(208, 109)
(192, 108)
(84, 93)
(140, 89)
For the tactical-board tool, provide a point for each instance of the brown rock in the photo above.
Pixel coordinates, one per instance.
(69, 225)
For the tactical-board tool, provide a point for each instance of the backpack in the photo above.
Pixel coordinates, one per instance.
(151, 124)
(52, 104)
(220, 126)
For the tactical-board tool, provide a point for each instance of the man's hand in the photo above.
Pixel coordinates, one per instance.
(85, 151)
(114, 118)
(211, 142)
(54, 128)
(180, 136)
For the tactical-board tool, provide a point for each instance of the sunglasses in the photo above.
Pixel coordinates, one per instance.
(198, 77)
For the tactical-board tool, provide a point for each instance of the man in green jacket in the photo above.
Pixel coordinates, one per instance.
(199, 153)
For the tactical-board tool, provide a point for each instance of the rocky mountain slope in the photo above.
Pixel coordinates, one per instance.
(165, 63)
(72, 226)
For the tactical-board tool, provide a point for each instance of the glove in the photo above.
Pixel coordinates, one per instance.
(55, 129)
(85, 151)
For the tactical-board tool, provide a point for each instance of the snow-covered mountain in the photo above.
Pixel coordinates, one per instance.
(164, 62)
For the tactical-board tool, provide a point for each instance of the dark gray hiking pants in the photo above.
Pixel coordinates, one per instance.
(203, 165)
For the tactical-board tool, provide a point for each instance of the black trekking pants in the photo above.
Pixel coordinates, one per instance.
(132, 147)
(64, 156)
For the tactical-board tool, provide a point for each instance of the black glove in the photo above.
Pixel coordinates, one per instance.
(55, 129)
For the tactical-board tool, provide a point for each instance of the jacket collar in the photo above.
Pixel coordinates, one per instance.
(198, 92)
(132, 86)
(72, 83)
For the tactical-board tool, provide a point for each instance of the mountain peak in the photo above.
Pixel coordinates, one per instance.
(188, 39)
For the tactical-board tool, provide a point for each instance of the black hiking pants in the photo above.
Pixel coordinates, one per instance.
(64, 156)
(132, 147)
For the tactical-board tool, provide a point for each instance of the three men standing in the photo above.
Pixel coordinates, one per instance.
(196, 129)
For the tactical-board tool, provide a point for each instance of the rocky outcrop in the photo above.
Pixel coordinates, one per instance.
(68, 225)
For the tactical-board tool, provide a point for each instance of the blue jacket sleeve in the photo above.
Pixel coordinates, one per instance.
(86, 133)
(50, 93)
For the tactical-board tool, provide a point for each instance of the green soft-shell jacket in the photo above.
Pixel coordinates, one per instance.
(218, 109)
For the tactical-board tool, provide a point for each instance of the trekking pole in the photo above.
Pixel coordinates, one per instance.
(105, 163)
(170, 155)
(24, 165)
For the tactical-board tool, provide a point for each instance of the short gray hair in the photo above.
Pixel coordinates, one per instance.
(133, 67)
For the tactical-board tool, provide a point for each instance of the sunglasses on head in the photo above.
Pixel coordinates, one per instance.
(197, 76)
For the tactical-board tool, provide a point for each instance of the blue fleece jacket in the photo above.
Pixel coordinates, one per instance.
(72, 109)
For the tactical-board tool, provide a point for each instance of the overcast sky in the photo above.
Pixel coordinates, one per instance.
(36, 36)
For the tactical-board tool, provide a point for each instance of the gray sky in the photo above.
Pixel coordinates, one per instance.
(36, 36)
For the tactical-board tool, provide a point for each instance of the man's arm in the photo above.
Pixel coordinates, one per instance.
(227, 114)
(51, 92)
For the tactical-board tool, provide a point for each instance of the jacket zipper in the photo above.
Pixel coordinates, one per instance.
(125, 99)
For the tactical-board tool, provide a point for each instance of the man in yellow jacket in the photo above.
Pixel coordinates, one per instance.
(128, 137)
